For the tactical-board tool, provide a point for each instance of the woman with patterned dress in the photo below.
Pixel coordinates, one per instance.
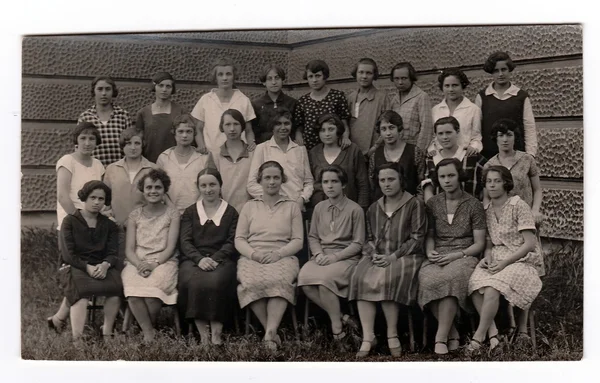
(447, 132)
(268, 235)
(511, 258)
(455, 240)
(337, 234)
(150, 273)
(320, 100)
(207, 270)
(391, 258)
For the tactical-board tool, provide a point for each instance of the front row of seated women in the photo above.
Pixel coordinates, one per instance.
(404, 252)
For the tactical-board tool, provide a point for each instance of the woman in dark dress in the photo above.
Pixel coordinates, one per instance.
(207, 283)
(89, 243)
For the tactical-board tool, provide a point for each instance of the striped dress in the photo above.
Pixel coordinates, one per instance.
(401, 234)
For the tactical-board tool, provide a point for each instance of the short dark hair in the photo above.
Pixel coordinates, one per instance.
(183, 119)
(210, 171)
(270, 164)
(276, 115)
(509, 184)
(395, 166)
(459, 74)
(86, 127)
(109, 81)
(366, 61)
(236, 115)
(504, 125)
(490, 63)
(128, 134)
(160, 77)
(341, 173)
(391, 117)
(316, 66)
(412, 73)
(223, 61)
(154, 175)
(333, 119)
(266, 69)
(462, 175)
(447, 120)
(90, 186)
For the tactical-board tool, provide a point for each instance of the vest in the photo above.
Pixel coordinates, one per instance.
(407, 163)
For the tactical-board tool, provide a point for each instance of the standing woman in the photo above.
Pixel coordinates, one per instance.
(329, 152)
(503, 99)
(233, 159)
(320, 100)
(413, 105)
(268, 235)
(150, 274)
(156, 119)
(510, 260)
(210, 108)
(110, 119)
(392, 256)
(337, 234)
(394, 149)
(455, 240)
(182, 163)
(207, 270)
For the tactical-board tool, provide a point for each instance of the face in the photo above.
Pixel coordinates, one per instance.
(133, 148)
(209, 187)
(154, 191)
(184, 135)
(224, 76)
(95, 201)
(86, 143)
(389, 182)
(402, 80)
(274, 82)
(506, 141)
(452, 88)
(389, 132)
(282, 128)
(271, 181)
(231, 127)
(103, 93)
(501, 73)
(328, 134)
(364, 75)
(332, 186)
(164, 89)
(494, 184)
(446, 135)
(316, 81)
(448, 178)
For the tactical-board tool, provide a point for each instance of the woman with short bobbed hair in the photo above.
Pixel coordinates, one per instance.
(268, 235)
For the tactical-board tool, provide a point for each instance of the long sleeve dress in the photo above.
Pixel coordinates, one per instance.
(412, 162)
(207, 295)
(334, 229)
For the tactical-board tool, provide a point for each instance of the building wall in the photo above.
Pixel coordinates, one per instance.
(57, 73)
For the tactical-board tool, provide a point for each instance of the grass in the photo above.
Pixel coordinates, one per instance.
(559, 313)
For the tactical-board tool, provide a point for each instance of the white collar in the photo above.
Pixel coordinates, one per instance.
(459, 154)
(512, 90)
(216, 218)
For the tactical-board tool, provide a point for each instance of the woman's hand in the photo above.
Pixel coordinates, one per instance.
(202, 149)
(432, 152)
(448, 258)
(538, 217)
(102, 270)
(471, 151)
(324, 260)
(496, 267)
(300, 202)
(91, 270)
(251, 146)
(433, 256)
(345, 142)
(207, 264)
(382, 260)
(270, 257)
(144, 269)
(298, 138)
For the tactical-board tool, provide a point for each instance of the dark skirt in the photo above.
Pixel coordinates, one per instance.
(206, 295)
(79, 285)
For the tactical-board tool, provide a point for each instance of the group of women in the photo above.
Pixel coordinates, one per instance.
(209, 208)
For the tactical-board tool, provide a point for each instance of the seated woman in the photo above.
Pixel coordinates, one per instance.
(387, 271)
(337, 234)
(268, 234)
(150, 273)
(207, 270)
(455, 239)
(510, 259)
(89, 245)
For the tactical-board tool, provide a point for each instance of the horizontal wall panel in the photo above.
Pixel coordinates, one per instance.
(564, 214)
(38, 191)
(303, 35)
(560, 152)
(93, 57)
(431, 48)
(44, 147)
(273, 37)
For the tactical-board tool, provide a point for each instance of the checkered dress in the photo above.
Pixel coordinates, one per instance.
(415, 110)
(109, 151)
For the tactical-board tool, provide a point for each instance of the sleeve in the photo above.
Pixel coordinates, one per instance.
(198, 111)
(127, 118)
(529, 129)
(112, 244)
(430, 217)
(475, 141)
(524, 216)
(161, 160)
(341, 107)
(418, 225)
(371, 172)
(298, 117)
(242, 231)
(426, 131)
(358, 236)
(81, 118)
(314, 241)
(533, 169)
(68, 253)
(429, 173)
(362, 177)
(478, 101)
(227, 250)
(297, 232)
(186, 237)
(66, 162)
(139, 120)
(478, 220)
(317, 195)
(248, 113)
(308, 180)
(255, 122)
(108, 176)
(210, 161)
(368, 246)
(420, 165)
(253, 187)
